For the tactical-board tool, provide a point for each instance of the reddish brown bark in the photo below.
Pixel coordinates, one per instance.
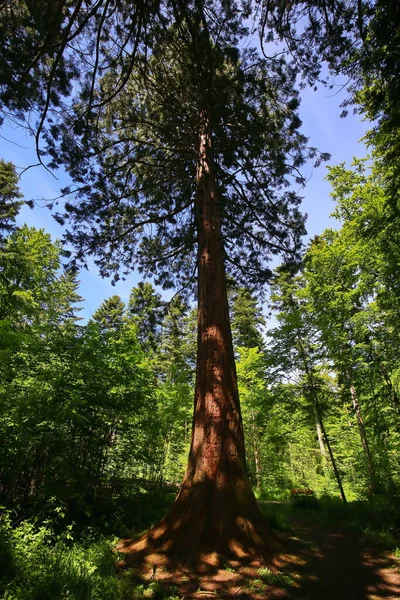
(215, 514)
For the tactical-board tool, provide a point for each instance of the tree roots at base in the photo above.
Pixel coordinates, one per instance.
(206, 530)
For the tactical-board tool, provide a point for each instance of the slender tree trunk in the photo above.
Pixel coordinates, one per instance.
(389, 386)
(256, 450)
(331, 456)
(215, 512)
(167, 443)
(320, 439)
(385, 375)
(363, 436)
(318, 413)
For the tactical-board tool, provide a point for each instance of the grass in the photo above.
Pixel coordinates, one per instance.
(278, 515)
(140, 589)
(229, 569)
(384, 538)
(267, 578)
(278, 579)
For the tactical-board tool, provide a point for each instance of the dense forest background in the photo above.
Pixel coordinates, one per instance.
(97, 416)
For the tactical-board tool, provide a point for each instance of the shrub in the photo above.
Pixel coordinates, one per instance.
(42, 566)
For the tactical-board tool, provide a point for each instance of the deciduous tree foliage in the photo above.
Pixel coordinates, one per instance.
(297, 347)
(332, 275)
(78, 403)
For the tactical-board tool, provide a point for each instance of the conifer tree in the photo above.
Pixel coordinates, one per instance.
(146, 310)
(248, 320)
(10, 195)
(110, 315)
(357, 40)
(186, 174)
(182, 152)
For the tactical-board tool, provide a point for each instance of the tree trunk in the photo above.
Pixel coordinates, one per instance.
(256, 450)
(331, 456)
(385, 375)
(320, 439)
(363, 437)
(389, 386)
(318, 412)
(215, 513)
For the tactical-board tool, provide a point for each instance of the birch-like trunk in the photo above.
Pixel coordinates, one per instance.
(320, 439)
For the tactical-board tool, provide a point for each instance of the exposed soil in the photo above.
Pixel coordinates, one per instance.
(335, 564)
(325, 562)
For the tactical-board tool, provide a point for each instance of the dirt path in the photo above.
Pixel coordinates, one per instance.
(323, 562)
(335, 564)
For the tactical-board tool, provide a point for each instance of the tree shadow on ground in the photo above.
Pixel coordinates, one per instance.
(335, 564)
(230, 580)
(323, 562)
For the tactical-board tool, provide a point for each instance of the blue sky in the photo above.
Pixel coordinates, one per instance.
(341, 137)
(321, 123)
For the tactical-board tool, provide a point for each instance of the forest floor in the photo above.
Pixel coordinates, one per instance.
(324, 560)
(338, 564)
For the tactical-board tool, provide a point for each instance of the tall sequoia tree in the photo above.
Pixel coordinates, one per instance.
(181, 145)
(185, 173)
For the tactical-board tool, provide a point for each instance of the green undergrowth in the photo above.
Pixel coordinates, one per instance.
(278, 515)
(36, 564)
(52, 557)
(279, 579)
(56, 559)
(378, 519)
(39, 565)
(267, 578)
(136, 588)
(121, 515)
